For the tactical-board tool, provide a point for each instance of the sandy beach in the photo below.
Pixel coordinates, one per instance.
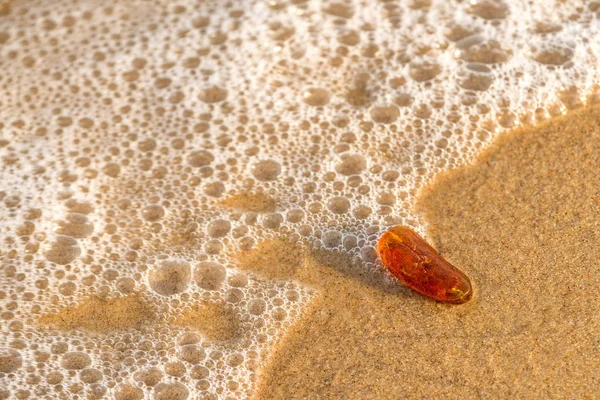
(522, 222)
(192, 194)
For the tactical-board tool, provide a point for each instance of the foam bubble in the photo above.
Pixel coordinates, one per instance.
(170, 277)
(75, 360)
(209, 275)
(62, 250)
(10, 360)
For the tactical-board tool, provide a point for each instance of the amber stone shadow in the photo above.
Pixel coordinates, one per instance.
(281, 259)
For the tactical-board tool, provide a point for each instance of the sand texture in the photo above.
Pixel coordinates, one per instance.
(522, 222)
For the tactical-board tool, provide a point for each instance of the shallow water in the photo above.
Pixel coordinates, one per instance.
(147, 150)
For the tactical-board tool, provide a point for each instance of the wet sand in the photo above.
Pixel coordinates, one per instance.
(522, 222)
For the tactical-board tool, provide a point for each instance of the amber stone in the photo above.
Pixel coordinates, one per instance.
(419, 266)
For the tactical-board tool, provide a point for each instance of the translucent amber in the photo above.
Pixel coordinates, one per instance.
(416, 264)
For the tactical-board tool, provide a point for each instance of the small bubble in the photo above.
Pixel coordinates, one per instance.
(171, 391)
(213, 94)
(316, 97)
(80, 207)
(54, 378)
(192, 354)
(213, 247)
(67, 288)
(90, 375)
(386, 199)
(76, 360)
(385, 114)
(162, 83)
(238, 280)
(257, 306)
(350, 242)
(153, 212)
(349, 38)
(126, 391)
(210, 275)
(59, 348)
(235, 360)
(33, 214)
(552, 53)
(175, 368)
(476, 77)
(362, 212)
(26, 229)
(266, 170)
(75, 225)
(200, 158)
(332, 239)
(544, 27)
(339, 9)
(150, 377)
(489, 9)
(338, 205)
(403, 100)
(10, 360)
(368, 254)
(170, 277)
(390, 176)
(199, 372)
(62, 250)
(456, 32)
(111, 169)
(147, 145)
(214, 189)
(424, 71)
(295, 215)
(351, 164)
(218, 228)
(479, 50)
(279, 314)
(272, 220)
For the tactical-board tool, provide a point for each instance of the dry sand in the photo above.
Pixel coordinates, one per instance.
(522, 222)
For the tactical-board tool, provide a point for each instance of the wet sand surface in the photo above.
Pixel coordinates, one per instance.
(522, 222)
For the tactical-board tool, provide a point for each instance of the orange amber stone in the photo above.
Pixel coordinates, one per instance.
(412, 260)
